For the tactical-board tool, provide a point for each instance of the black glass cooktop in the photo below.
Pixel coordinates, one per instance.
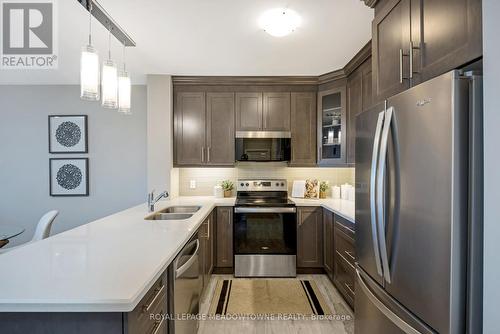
(263, 199)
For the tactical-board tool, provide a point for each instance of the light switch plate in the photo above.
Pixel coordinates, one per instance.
(192, 184)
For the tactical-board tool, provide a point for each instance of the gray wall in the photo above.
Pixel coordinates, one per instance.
(117, 157)
(491, 50)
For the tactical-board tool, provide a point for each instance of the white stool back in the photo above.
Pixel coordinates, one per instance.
(44, 225)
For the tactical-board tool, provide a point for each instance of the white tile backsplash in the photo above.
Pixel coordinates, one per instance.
(207, 178)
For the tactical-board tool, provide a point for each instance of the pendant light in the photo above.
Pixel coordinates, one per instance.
(89, 68)
(124, 88)
(109, 83)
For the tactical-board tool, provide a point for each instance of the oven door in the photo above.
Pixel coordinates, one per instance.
(268, 231)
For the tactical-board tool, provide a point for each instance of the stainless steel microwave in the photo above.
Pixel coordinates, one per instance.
(262, 146)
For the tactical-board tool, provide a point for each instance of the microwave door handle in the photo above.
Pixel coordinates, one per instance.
(373, 194)
(381, 194)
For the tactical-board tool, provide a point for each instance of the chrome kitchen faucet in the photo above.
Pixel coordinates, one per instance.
(152, 200)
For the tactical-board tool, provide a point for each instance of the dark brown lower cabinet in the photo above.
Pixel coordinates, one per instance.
(344, 258)
(206, 237)
(224, 237)
(309, 237)
(328, 243)
(138, 321)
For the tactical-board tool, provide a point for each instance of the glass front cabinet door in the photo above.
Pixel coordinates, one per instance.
(331, 127)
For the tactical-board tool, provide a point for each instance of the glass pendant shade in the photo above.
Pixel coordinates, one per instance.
(109, 84)
(89, 74)
(124, 90)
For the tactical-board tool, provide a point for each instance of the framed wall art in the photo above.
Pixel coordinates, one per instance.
(68, 134)
(69, 177)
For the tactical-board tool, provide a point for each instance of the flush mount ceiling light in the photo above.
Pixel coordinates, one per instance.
(279, 22)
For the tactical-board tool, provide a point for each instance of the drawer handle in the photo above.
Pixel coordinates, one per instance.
(146, 307)
(341, 226)
(349, 288)
(350, 254)
(157, 326)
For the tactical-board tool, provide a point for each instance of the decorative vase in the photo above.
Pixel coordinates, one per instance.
(322, 194)
(227, 193)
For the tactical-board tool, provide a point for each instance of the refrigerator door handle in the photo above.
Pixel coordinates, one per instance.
(381, 194)
(403, 325)
(373, 194)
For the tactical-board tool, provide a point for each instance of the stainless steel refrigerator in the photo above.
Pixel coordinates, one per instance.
(418, 210)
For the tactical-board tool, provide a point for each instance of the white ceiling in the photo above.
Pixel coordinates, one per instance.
(210, 37)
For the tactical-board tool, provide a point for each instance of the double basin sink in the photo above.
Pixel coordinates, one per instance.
(175, 213)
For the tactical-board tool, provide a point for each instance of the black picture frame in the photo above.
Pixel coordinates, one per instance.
(85, 139)
(86, 181)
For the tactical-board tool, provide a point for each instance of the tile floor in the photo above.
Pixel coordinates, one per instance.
(330, 294)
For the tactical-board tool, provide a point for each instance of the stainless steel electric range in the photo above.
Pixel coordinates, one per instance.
(265, 230)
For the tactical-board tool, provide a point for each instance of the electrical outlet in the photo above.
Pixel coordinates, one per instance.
(192, 184)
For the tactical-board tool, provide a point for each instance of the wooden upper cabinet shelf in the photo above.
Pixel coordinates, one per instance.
(263, 111)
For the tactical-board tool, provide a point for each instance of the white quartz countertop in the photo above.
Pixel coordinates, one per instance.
(104, 266)
(341, 207)
(107, 265)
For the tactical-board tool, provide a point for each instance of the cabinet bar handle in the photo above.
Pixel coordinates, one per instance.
(349, 288)
(203, 154)
(208, 154)
(146, 307)
(157, 326)
(350, 254)
(411, 59)
(400, 66)
(208, 229)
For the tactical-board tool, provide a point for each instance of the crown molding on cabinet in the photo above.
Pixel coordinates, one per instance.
(370, 3)
(355, 62)
(244, 80)
(359, 58)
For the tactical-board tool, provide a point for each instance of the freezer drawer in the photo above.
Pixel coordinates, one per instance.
(377, 312)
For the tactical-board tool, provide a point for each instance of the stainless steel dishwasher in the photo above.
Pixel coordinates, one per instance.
(185, 290)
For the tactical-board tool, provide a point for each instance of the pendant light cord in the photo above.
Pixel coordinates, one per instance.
(90, 22)
(124, 68)
(109, 42)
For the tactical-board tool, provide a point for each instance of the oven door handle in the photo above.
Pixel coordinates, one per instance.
(264, 210)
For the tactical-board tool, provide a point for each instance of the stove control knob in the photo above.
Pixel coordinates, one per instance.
(282, 184)
(277, 184)
(241, 184)
(247, 184)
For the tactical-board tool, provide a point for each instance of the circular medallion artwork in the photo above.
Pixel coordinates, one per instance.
(69, 176)
(68, 134)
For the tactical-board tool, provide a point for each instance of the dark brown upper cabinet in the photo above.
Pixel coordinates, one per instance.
(446, 35)
(220, 129)
(189, 126)
(248, 111)
(204, 129)
(276, 112)
(390, 41)
(303, 129)
(359, 97)
(263, 111)
(331, 120)
(416, 40)
(310, 237)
